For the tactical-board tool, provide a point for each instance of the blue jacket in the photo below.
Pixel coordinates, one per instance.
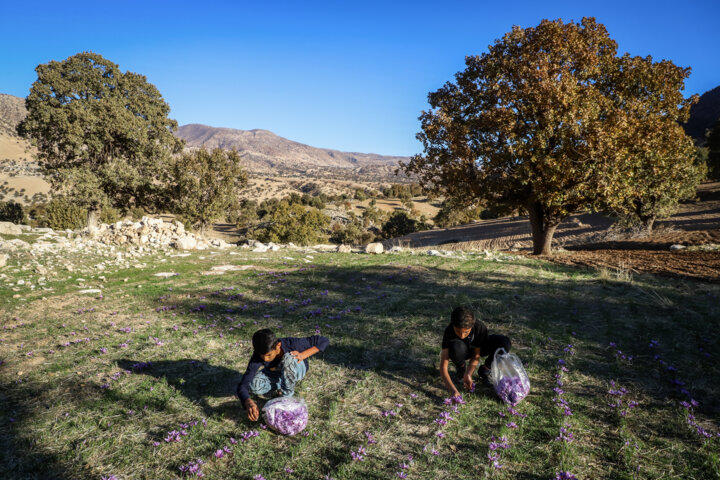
(288, 344)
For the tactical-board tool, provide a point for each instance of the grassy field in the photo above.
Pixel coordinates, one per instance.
(92, 385)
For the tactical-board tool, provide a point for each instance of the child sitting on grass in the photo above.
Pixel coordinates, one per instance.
(284, 363)
(467, 338)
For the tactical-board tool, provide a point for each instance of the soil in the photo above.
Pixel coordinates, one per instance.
(588, 240)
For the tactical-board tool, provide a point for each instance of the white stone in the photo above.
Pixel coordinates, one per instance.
(375, 248)
(166, 274)
(10, 228)
(90, 290)
(3, 259)
(260, 249)
(344, 249)
(677, 247)
(434, 253)
(186, 243)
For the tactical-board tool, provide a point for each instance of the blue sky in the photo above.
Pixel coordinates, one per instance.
(347, 75)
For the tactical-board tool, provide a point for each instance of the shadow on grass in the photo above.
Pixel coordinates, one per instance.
(396, 334)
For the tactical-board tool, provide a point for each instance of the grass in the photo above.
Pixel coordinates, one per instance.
(74, 412)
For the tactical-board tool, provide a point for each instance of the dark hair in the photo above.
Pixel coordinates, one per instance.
(263, 341)
(462, 317)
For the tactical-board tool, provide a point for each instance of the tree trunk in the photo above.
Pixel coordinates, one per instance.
(649, 222)
(542, 231)
(92, 220)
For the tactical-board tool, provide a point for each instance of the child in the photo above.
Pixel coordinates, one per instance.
(466, 338)
(284, 362)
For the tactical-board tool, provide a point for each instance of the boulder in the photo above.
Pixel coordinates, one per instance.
(344, 249)
(185, 243)
(3, 259)
(10, 228)
(375, 248)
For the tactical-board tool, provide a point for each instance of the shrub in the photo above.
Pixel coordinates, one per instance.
(399, 224)
(292, 223)
(136, 213)
(110, 215)
(11, 212)
(351, 234)
(451, 215)
(61, 214)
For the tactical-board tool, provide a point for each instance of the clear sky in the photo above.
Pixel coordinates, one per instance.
(352, 76)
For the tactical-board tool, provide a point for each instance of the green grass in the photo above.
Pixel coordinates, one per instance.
(386, 352)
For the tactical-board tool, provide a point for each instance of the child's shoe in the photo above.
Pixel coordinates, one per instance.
(484, 374)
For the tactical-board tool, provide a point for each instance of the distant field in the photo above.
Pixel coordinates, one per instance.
(91, 385)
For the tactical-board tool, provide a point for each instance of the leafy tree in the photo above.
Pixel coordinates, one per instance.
(713, 154)
(205, 185)
(103, 136)
(451, 214)
(292, 223)
(547, 120)
(11, 212)
(399, 224)
(662, 173)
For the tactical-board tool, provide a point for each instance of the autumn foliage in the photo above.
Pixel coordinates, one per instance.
(551, 120)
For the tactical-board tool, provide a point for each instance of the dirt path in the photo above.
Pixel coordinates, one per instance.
(592, 244)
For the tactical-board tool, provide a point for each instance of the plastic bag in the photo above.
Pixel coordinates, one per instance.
(509, 378)
(286, 415)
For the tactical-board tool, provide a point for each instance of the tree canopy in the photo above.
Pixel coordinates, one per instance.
(552, 121)
(205, 185)
(103, 136)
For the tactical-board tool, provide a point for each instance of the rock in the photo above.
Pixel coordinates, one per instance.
(25, 228)
(3, 260)
(91, 290)
(261, 248)
(395, 249)
(344, 249)
(375, 248)
(275, 248)
(677, 247)
(165, 274)
(185, 243)
(434, 253)
(10, 228)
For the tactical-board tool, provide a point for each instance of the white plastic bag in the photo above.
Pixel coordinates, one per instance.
(509, 378)
(286, 415)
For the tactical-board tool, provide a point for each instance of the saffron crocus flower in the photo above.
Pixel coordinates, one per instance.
(219, 454)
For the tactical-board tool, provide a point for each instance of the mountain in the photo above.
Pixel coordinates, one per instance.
(703, 115)
(12, 111)
(263, 152)
(264, 149)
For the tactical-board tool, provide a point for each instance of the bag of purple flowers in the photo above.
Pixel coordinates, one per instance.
(286, 415)
(509, 378)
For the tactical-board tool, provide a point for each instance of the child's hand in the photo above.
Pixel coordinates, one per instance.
(467, 382)
(298, 356)
(252, 409)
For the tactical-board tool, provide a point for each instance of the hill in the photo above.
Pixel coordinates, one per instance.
(266, 151)
(703, 115)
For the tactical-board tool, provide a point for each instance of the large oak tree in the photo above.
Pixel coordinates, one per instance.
(103, 136)
(550, 120)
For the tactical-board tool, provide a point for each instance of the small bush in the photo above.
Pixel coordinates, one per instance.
(292, 223)
(136, 213)
(399, 224)
(61, 214)
(11, 212)
(110, 215)
(351, 234)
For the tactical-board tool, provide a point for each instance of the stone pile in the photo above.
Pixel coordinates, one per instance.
(153, 233)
